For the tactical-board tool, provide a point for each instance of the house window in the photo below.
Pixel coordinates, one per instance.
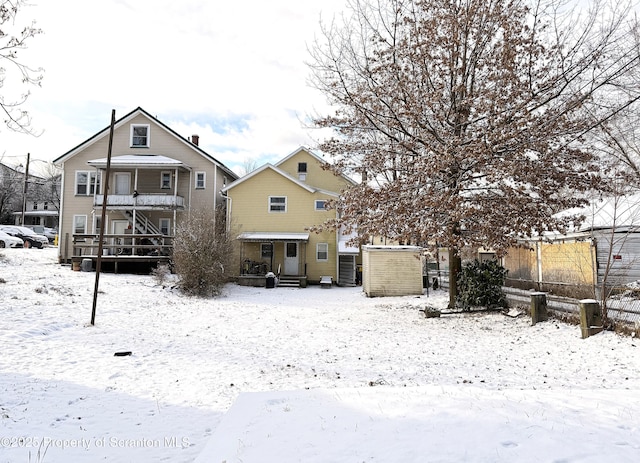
(97, 225)
(139, 136)
(266, 250)
(35, 206)
(322, 252)
(200, 180)
(277, 204)
(302, 171)
(45, 206)
(320, 204)
(165, 226)
(80, 224)
(88, 183)
(165, 180)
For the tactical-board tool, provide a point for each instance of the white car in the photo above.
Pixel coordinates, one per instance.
(26, 234)
(8, 241)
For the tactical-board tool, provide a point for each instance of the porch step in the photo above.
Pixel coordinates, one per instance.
(289, 282)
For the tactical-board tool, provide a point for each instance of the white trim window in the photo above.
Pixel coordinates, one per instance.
(320, 205)
(80, 224)
(87, 182)
(277, 204)
(322, 252)
(165, 226)
(201, 180)
(165, 180)
(140, 136)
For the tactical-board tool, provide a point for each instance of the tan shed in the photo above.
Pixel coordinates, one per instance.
(391, 270)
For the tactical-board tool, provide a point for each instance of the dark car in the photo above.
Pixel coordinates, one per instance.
(30, 238)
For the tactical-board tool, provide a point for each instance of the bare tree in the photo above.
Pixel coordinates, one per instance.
(202, 249)
(13, 38)
(466, 117)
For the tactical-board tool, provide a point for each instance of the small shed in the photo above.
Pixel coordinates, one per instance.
(391, 270)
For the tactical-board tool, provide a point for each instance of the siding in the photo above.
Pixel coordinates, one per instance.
(391, 270)
(626, 246)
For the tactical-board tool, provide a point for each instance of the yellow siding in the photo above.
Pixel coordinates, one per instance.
(249, 212)
(316, 175)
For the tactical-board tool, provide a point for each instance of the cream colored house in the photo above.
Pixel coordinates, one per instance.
(270, 211)
(155, 176)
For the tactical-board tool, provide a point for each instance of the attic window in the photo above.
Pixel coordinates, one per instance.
(302, 171)
(139, 135)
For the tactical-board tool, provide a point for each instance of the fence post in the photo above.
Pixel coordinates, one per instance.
(538, 307)
(590, 317)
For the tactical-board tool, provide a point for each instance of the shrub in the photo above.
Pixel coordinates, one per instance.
(480, 284)
(202, 251)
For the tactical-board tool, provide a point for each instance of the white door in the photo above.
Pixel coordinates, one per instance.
(291, 258)
(118, 227)
(123, 183)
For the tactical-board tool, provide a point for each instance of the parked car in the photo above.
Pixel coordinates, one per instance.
(50, 233)
(8, 241)
(30, 238)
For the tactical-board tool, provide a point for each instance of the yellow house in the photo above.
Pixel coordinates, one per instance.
(271, 209)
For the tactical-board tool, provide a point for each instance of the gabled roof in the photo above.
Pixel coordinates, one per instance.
(315, 156)
(280, 172)
(125, 120)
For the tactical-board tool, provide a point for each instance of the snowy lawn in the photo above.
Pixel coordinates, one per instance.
(284, 375)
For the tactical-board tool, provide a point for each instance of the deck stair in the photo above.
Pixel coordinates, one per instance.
(289, 281)
(143, 225)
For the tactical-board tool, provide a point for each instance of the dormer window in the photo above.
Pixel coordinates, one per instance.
(139, 135)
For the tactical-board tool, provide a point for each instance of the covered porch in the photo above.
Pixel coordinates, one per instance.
(282, 253)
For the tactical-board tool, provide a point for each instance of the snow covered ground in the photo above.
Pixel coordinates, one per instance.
(288, 375)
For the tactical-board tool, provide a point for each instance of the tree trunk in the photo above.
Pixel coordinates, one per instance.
(455, 266)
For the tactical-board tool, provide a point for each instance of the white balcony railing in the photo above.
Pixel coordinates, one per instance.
(158, 201)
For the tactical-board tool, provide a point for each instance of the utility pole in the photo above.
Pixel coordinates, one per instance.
(105, 194)
(24, 190)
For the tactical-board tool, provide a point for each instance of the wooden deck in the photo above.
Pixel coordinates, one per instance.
(122, 251)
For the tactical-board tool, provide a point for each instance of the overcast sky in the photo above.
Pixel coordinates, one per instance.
(232, 72)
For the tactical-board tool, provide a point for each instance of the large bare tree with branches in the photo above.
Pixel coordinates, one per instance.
(466, 118)
(13, 38)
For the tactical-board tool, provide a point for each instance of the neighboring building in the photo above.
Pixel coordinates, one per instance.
(270, 211)
(155, 176)
(602, 255)
(39, 207)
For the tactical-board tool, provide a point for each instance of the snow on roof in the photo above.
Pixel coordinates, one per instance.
(612, 212)
(273, 236)
(144, 160)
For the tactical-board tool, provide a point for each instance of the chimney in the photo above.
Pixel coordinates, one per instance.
(195, 139)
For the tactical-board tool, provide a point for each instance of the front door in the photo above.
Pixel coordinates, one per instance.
(291, 258)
